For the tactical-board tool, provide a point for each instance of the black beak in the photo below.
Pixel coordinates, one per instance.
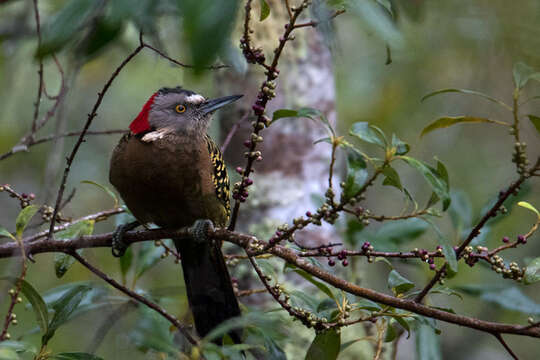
(212, 105)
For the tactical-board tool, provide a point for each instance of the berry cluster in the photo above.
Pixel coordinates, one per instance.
(23, 198)
(519, 157)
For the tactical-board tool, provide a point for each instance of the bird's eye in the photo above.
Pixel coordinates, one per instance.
(180, 108)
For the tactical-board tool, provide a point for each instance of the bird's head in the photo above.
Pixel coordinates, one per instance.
(178, 110)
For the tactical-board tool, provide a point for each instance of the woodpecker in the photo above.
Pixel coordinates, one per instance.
(171, 173)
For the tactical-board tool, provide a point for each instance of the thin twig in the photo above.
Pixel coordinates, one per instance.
(10, 318)
(99, 216)
(80, 140)
(501, 340)
(40, 73)
(232, 131)
(315, 23)
(173, 320)
(492, 212)
(262, 100)
(174, 61)
(243, 293)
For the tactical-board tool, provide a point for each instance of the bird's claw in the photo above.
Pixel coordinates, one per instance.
(119, 247)
(199, 230)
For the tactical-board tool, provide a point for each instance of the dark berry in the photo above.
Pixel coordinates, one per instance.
(331, 262)
(505, 239)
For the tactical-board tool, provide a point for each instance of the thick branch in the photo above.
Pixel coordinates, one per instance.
(246, 242)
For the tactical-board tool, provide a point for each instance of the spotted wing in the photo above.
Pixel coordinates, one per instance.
(219, 175)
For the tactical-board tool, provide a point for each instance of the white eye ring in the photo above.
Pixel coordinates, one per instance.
(180, 108)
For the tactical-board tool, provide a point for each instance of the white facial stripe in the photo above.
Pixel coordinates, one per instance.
(195, 99)
(156, 135)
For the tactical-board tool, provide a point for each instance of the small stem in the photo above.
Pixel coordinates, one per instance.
(501, 340)
(173, 320)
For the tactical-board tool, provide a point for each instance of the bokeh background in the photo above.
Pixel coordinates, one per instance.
(469, 44)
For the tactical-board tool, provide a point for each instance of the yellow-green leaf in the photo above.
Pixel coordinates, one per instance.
(535, 121)
(4, 232)
(24, 217)
(62, 262)
(526, 205)
(325, 346)
(104, 188)
(35, 300)
(467, 92)
(448, 121)
(265, 10)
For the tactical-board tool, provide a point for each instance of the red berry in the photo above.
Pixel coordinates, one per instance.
(432, 266)
(505, 239)
(345, 262)
(331, 262)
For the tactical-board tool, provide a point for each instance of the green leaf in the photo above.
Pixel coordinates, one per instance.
(321, 286)
(532, 272)
(151, 331)
(8, 353)
(274, 351)
(265, 10)
(427, 343)
(435, 178)
(356, 173)
(125, 262)
(62, 262)
(523, 73)
(24, 218)
(283, 113)
(368, 133)
(310, 113)
(526, 205)
(387, 5)
(392, 178)
(147, 257)
(447, 248)
(62, 28)
(400, 231)
(109, 192)
(398, 284)
(263, 321)
(315, 114)
(447, 121)
(366, 304)
(75, 356)
(4, 232)
(535, 121)
(404, 324)
(325, 346)
(104, 30)
(63, 308)
(511, 298)
(460, 210)
(400, 147)
(35, 300)
(467, 92)
(20, 347)
(391, 333)
(206, 25)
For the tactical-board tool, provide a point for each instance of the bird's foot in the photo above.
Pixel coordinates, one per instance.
(119, 247)
(199, 230)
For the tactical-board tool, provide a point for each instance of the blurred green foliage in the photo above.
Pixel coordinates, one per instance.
(390, 55)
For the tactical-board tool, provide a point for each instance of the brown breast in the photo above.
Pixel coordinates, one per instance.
(167, 181)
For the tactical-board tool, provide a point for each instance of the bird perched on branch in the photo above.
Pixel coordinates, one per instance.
(171, 173)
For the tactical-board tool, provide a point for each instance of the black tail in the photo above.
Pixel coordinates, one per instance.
(208, 284)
